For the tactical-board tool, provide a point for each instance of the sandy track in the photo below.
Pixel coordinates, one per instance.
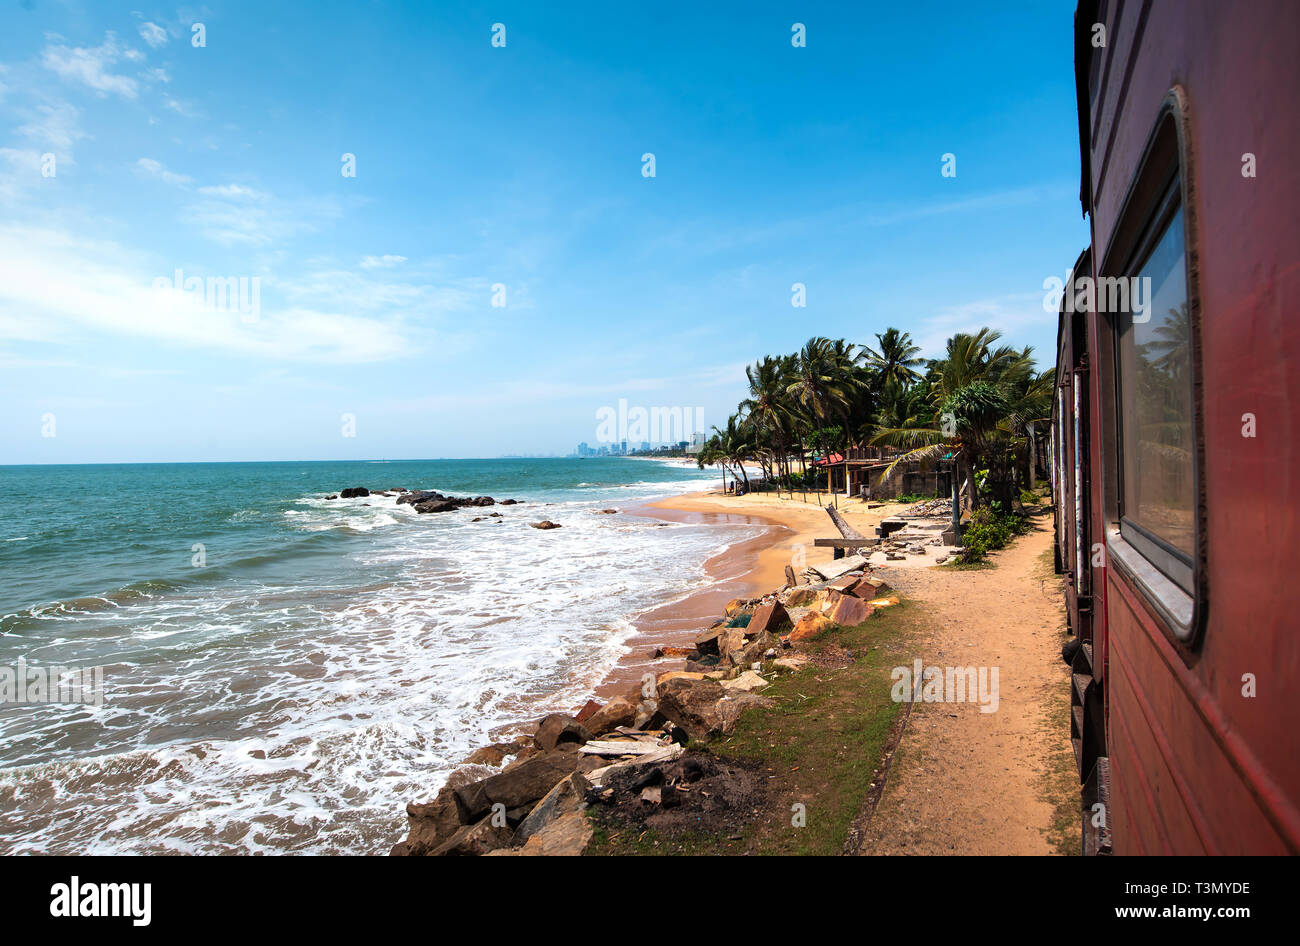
(962, 781)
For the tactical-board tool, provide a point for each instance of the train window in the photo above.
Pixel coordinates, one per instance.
(1158, 483)
(1149, 357)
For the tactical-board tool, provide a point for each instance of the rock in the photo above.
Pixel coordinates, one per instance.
(887, 602)
(802, 596)
(736, 704)
(692, 705)
(746, 682)
(677, 675)
(525, 752)
(617, 712)
(557, 729)
(646, 711)
(703, 708)
(510, 502)
(332, 496)
(668, 651)
(567, 796)
(412, 497)
(811, 625)
(434, 505)
(706, 642)
(489, 834)
(488, 755)
(731, 639)
(545, 524)
(430, 825)
(834, 569)
(850, 611)
(589, 709)
(354, 491)
(566, 836)
(792, 663)
(755, 649)
(734, 607)
(844, 583)
(607, 512)
(868, 588)
(518, 785)
(769, 618)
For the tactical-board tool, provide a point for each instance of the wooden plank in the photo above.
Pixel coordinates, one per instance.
(614, 748)
(858, 543)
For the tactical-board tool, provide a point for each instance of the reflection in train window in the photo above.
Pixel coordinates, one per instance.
(1158, 485)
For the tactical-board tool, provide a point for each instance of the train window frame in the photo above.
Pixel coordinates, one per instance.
(1159, 190)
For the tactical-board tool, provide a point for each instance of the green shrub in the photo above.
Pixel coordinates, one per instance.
(988, 530)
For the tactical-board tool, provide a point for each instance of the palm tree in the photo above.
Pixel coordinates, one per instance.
(897, 359)
(974, 421)
(766, 407)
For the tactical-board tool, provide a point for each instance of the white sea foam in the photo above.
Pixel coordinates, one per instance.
(258, 718)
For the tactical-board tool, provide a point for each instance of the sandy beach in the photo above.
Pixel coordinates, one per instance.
(747, 569)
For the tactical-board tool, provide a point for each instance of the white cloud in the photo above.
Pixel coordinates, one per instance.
(381, 262)
(54, 128)
(1014, 315)
(156, 169)
(180, 108)
(233, 191)
(59, 287)
(153, 34)
(20, 170)
(90, 66)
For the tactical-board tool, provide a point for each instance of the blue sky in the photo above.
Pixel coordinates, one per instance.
(518, 166)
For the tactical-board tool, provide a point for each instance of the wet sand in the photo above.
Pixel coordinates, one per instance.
(744, 570)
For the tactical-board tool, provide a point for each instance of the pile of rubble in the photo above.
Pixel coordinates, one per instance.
(929, 508)
(630, 751)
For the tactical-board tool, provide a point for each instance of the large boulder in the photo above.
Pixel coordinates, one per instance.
(771, 618)
(474, 840)
(435, 505)
(352, 492)
(702, 707)
(746, 682)
(849, 610)
(558, 729)
(755, 649)
(519, 785)
(706, 642)
(418, 496)
(566, 836)
(429, 825)
(567, 796)
(810, 625)
(868, 588)
(617, 712)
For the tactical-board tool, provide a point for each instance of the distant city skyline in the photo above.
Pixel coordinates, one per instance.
(353, 235)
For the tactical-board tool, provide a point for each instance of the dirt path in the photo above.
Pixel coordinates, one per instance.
(967, 782)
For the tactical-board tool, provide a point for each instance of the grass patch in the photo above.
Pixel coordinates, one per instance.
(1061, 780)
(819, 746)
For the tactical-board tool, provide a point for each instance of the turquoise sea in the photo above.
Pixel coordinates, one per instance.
(283, 672)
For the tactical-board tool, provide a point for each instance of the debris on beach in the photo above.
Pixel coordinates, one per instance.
(634, 759)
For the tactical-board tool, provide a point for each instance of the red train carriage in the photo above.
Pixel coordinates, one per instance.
(1176, 429)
